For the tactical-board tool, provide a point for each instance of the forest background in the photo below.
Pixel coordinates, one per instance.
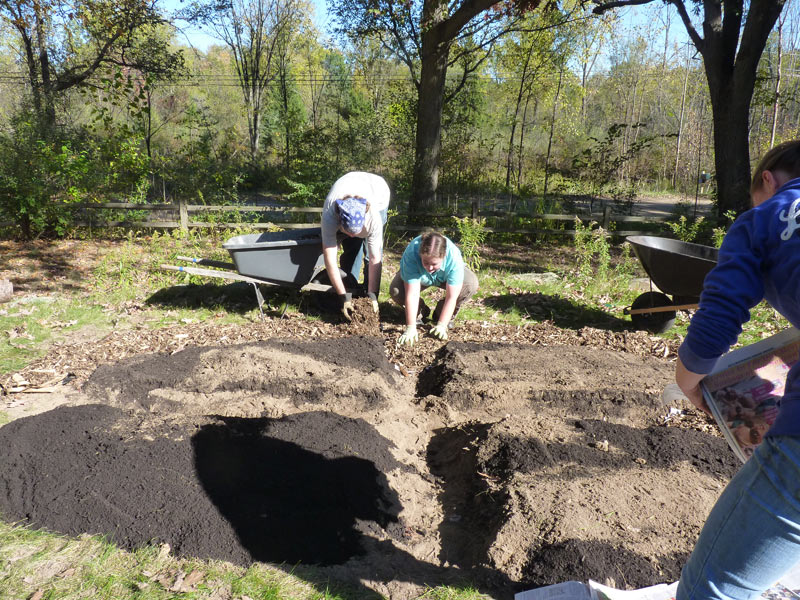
(103, 101)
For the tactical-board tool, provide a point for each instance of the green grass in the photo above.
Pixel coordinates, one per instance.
(91, 567)
(32, 325)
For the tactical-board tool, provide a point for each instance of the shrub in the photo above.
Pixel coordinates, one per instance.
(471, 234)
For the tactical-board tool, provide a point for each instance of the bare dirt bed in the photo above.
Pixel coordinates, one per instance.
(507, 458)
(503, 464)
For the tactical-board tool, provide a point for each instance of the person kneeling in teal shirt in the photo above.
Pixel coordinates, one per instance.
(431, 260)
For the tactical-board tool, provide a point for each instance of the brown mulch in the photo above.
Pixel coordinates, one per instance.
(82, 358)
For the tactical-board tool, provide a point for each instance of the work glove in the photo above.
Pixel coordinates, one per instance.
(374, 297)
(439, 331)
(409, 337)
(347, 306)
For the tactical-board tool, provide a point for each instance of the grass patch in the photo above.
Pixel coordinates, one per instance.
(32, 325)
(56, 566)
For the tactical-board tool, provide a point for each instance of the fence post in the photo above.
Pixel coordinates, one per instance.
(606, 216)
(474, 209)
(183, 211)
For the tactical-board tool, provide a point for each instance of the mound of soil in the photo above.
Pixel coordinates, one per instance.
(505, 465)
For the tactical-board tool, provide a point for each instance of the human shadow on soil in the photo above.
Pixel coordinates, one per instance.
(286, 503)
(561, 312)
(290, 505)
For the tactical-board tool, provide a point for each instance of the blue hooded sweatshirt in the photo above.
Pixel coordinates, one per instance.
(759, 259)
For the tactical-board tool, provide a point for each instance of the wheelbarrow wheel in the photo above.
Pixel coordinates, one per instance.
(656, 322)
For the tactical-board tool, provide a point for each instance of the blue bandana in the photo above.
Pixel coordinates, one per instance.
(351, 214)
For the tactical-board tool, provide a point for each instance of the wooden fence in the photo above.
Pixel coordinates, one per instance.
(179, 216)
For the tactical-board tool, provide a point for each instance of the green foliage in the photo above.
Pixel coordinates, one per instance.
(718, 233)
(593, 252)
(600, 163)
(41, 176)
(471, 234)
(203, 168)
(624, 197)
(686, 230)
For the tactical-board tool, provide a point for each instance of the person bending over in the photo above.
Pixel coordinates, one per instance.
(354, 215)
(431, 260)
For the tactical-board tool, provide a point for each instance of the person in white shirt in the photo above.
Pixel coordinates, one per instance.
(354, 215)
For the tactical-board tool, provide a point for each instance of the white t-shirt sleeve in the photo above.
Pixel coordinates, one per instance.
(372, 188)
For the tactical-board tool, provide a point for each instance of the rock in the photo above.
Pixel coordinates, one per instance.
(6, 290)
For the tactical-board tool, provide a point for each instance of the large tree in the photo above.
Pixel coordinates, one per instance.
(429, 36)
(734, 34)
(63, 43)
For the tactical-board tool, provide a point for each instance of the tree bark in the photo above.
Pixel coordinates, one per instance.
(522, 84)
(731, 149)
(777, 104)
(438, 29)
(433, 73)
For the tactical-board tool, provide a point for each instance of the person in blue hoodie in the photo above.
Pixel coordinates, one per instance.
(752, 535)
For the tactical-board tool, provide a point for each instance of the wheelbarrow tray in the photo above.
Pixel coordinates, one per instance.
(291, 257)
(676, 268)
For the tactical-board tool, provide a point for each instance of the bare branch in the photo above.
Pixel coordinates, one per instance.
(698, 41)
(604, 6)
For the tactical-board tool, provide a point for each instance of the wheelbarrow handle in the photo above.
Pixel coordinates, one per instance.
(656, 309)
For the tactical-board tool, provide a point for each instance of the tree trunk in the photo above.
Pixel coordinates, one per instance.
(731, 67)
(44, 68)
(520, 152)
(522, 84)
(552, 130)
(680, 125)
(776, 105)
(732, 150)
(433, 74)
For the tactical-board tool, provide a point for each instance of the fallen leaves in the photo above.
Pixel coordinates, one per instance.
(22, 385)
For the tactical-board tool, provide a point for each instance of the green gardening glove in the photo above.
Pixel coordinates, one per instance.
(439, 331)
(409, 337)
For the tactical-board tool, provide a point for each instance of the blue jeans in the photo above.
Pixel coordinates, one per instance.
(752, 536)
(353, 251)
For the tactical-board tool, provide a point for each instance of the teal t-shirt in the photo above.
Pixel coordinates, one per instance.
(451, 271)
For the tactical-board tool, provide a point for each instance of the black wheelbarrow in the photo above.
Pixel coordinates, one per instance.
(677, 269)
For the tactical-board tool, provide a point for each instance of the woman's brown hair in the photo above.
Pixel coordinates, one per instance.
(433, 244)
(784, 157)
